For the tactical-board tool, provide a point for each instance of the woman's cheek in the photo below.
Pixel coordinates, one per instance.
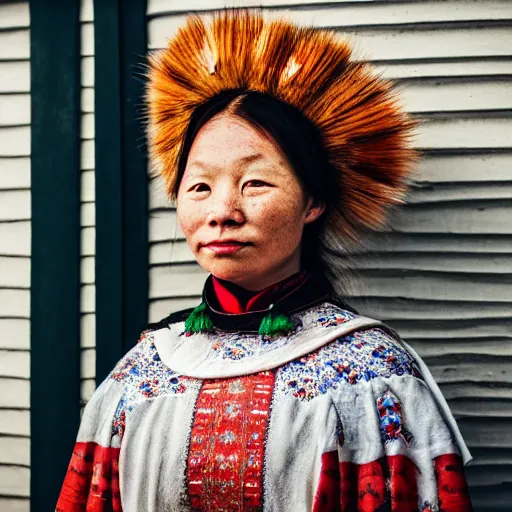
(190, 222)
(280, 220)
(285, 208)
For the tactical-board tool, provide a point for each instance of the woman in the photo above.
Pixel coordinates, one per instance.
(271, 394)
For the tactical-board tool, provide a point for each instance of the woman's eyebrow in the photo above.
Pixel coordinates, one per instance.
(198, 168)
(267, 164)
(250, 158)
(244, 160)
(204, 166)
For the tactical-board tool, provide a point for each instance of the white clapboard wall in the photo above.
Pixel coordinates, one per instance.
(88, 230)
(14, 257)
(442, 273)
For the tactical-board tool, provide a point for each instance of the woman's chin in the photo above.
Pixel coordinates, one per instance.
(237, 273)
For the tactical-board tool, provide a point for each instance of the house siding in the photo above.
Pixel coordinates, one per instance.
(441, 272)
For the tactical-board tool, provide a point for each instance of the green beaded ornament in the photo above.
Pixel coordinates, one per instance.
(198, 321)
(275, 323)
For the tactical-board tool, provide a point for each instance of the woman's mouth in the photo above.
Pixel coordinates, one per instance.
(225, 247)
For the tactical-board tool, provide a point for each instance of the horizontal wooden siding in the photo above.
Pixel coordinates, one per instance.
(441, 274)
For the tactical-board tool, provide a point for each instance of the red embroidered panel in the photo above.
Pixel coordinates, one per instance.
(92, 480)
(225, 461)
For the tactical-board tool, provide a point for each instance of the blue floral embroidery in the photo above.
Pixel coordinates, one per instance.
(391, 421)
(144, 376)
(361, 356)
(332, 317)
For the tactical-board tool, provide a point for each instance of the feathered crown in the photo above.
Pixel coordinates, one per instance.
(364, 130)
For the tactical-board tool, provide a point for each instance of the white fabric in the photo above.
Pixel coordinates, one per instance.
(441, 402)
(154, 451)
(96, 425)
(298, 434)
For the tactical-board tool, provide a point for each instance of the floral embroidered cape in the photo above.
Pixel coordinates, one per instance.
(339, 415)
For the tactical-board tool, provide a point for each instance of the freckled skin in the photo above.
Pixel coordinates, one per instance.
(239, 185)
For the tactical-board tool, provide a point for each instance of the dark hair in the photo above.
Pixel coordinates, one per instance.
(298, 138)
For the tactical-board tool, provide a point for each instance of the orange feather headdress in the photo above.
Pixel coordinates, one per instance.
(365, 132)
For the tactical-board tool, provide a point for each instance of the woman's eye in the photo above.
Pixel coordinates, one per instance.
(200, 187)
(255, 183)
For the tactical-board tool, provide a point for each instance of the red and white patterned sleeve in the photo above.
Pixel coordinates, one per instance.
(397, 452)
(91, 483)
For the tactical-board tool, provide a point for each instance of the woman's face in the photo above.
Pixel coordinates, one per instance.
(240, 205)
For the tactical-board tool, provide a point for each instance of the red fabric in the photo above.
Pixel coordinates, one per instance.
(327, 497)
(235, 300)
(348, 487)
(451, 484)
(92, 480)
(225, 460)
(387, 484)
(371, 486)
(402, 484)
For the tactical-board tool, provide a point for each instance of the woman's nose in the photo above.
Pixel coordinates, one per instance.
(225, 210)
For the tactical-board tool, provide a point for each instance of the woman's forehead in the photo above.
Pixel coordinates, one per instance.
(228, 141)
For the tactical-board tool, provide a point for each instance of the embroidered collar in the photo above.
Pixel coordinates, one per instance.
(314, 289)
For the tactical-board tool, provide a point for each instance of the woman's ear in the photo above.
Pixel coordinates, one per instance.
(314, 210)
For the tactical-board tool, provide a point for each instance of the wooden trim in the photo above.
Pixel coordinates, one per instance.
(136, 183)
(109, 187)
(121, 181)
(55, 275)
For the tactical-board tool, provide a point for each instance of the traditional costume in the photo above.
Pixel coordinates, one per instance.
(284, 400)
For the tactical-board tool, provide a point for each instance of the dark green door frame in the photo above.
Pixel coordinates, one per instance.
(121, 217)
(121, 180)
(55, 276)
